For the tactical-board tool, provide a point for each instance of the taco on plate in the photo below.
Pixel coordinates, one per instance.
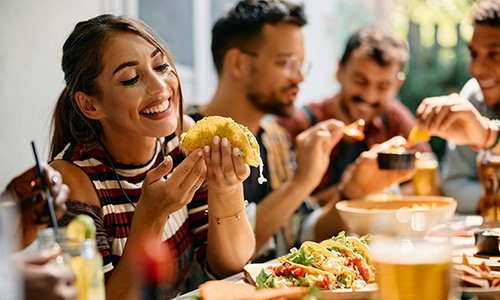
(358, 256)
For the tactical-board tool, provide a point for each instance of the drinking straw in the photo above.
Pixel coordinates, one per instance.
(48, 196)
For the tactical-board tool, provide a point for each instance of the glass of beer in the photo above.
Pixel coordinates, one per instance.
(412, 268)
(488, 168)
(426, 165)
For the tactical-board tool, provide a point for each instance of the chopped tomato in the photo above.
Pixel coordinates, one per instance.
(363, 270)
(323, 283)
(287, 269)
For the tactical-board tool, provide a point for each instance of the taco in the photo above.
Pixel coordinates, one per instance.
(328, 265)
(357, 254)
(202, 133)
(293, 274)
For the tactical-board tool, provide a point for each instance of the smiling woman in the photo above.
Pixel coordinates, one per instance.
(116, 143)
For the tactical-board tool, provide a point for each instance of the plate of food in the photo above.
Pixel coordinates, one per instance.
(478, 280)
(340, 268)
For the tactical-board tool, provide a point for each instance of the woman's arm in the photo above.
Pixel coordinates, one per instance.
(231, 241)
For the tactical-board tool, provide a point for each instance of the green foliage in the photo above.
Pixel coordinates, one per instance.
(433, 69)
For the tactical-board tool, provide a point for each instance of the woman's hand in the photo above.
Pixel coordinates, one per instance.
(225, 167)
(165, 196)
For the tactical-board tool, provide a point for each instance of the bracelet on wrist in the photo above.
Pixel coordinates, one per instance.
(485, 143)
(236, 216)
(497, 140)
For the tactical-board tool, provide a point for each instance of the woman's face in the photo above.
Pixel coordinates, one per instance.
(139, 92)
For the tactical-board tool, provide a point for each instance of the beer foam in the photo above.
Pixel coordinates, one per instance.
(410, 252)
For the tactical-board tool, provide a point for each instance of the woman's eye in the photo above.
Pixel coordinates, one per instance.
(130, 81)
(163, 67)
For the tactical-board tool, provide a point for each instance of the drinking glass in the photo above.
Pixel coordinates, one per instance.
(488, 168)
(84, 259)
(426, 165)
(413, 267)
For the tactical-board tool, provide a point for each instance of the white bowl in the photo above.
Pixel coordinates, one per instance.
(411, 215)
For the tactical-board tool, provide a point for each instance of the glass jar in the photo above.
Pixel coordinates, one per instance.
(488, 169)
(10, 277)
(426, 166)
(83, 257)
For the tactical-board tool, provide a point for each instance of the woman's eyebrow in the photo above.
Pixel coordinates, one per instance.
(134, 63)
(156, 51)
(125, 64)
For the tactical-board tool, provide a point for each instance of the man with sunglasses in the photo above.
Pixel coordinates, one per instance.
(370, 75)
(258, 51)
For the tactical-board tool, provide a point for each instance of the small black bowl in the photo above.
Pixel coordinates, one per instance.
(396, 161)
(487, 241)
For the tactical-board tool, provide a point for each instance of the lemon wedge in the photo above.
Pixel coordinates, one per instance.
(80, 228)
(418, 135)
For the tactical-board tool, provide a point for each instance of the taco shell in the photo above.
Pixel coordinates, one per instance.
(202, 133)
(310, 270)
(366, 260)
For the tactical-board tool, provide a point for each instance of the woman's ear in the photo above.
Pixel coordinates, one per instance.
(88, 106)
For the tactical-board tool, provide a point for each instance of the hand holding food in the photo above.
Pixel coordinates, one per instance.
(417, 135)
(358, 177)
(313, 147)
(355, 130)
(203, 132)
(455, 119)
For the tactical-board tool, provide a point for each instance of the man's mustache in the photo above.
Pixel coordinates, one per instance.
(358, 99)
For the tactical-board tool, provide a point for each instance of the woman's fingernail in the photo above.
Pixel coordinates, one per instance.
(225, 142)
(216, 140)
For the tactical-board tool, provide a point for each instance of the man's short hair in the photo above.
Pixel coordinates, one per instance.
(486, 12)
(376, 44)
(241, 26)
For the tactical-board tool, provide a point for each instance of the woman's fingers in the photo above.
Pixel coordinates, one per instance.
(228, 168)
(241, 169)
(192, 172)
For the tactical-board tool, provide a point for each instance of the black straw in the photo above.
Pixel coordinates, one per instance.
(48, 196)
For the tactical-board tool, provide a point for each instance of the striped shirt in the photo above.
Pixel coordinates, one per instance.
(185, 230)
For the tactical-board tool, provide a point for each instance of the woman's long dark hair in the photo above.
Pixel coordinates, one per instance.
(81, 64)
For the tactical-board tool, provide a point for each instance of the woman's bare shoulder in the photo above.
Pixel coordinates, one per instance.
(81, 188)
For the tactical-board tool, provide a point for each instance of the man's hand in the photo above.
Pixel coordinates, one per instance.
(363, 177)
(26, 190)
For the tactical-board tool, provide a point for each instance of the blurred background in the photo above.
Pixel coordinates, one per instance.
(32, 33)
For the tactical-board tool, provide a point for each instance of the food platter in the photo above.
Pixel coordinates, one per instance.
(491, 261)
(368, 292)
(482, 293)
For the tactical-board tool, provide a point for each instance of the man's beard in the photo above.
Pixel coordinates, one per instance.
(270, 104)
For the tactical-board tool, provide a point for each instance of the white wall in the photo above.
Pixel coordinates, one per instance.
(32, 33)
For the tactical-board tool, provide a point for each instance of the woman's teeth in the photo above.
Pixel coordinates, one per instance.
(156, 109)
